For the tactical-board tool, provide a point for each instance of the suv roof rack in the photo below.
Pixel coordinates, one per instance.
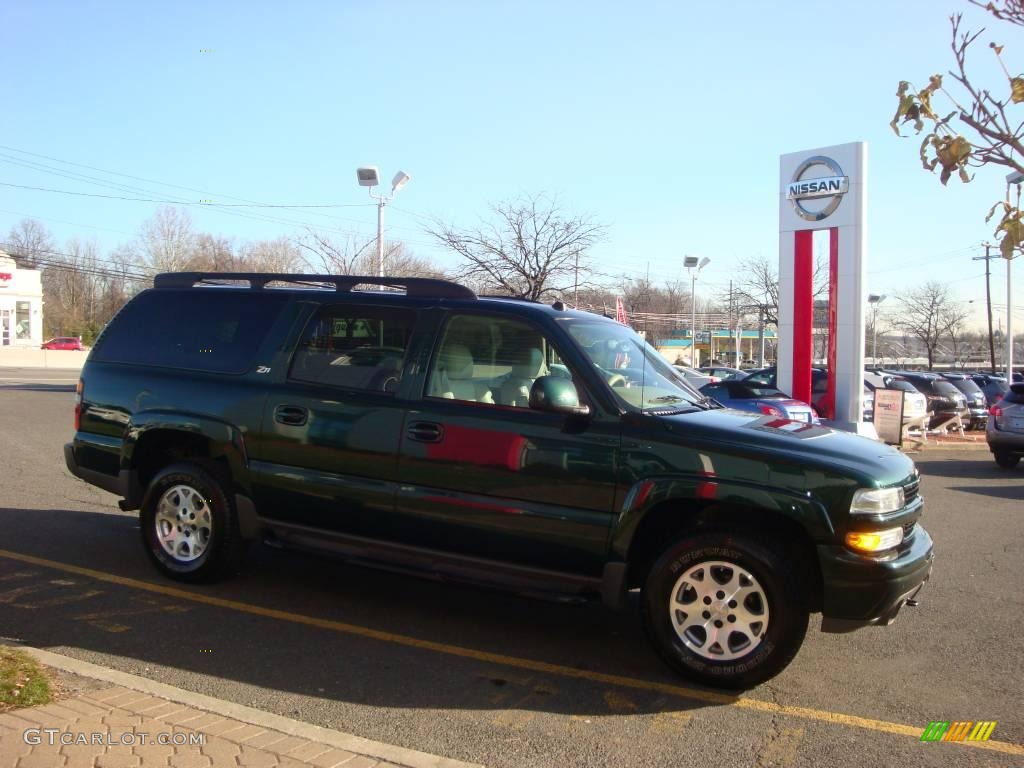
(423, 287)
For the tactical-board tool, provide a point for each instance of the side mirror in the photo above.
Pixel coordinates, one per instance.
(556, 395)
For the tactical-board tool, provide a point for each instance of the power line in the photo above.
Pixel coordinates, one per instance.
(33, 165)
(180, 202)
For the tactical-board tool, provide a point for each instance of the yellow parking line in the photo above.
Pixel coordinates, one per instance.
(741, 702)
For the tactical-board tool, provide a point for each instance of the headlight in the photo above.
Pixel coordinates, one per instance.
(873, 501)
(874, 541)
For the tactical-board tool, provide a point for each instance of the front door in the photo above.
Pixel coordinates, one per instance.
(483, 474)
(328, 451)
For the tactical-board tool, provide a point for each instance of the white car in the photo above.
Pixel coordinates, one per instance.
(915, 404)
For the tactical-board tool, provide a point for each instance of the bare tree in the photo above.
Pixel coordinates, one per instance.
(332, 255)
(954, 325)
(758, 285)
(29, 242)
(166, 241)
(349, 256)
(988, 131)
(213, 254)
(281, 254)
(926, 314)
(531, 248)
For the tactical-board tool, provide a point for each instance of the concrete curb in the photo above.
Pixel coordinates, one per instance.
(346, 741)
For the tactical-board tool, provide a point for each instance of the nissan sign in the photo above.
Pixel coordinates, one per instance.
(832, 187)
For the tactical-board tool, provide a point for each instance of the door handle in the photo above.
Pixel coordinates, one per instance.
(425, 432)
(291, 415)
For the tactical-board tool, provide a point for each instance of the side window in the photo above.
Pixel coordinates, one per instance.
(491, 360)
(354, 347)
(199, 329)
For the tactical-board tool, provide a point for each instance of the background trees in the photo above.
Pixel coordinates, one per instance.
(530, 248)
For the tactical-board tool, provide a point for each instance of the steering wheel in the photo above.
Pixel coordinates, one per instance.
(616, 380)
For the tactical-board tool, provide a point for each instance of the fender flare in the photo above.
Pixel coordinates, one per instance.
(693, 492)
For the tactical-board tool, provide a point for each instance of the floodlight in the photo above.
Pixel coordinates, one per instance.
(400, 180)
(367, 176)
(690, 261)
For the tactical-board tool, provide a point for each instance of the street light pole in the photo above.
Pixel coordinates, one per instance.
(368, 176)
(693, 266)
(874, 300)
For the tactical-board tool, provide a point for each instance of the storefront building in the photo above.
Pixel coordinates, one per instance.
(21, 305)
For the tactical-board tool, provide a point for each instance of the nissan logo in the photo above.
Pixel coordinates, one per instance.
(833, 187)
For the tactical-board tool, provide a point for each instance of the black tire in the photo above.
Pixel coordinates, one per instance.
(1006, 460)
(222, 553)
(774, 574)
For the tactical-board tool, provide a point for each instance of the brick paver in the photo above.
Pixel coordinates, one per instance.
(119, 716)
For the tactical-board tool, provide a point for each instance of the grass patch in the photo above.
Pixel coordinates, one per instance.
(23, 682)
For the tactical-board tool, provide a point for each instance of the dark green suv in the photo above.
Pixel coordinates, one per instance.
(411, 424)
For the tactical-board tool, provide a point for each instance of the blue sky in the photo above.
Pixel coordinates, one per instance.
(663, 120)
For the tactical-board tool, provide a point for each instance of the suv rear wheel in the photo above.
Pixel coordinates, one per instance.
(724, 610)
(1006, 460)
(189, 527)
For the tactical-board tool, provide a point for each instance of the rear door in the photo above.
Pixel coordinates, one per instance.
(331, 427)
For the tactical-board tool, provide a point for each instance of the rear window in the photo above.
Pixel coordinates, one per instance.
(198, 329)
(1015, 395)
(901, 384)
(945, 388)
(966, 386)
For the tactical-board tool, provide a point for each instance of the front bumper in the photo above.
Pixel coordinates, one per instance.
(861, 591)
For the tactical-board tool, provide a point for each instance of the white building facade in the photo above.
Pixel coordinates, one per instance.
(21, 305)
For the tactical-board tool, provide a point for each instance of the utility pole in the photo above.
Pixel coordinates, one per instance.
(576, 284)
(988, 303)
(760, 335)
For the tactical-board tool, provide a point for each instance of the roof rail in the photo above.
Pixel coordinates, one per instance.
(422, 287)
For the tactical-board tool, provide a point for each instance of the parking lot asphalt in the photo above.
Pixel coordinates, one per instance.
(502, 680)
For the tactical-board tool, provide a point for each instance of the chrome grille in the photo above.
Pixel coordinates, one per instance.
(911, 490)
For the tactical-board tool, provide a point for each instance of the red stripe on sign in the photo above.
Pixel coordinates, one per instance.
(803, 314)
(833, 321)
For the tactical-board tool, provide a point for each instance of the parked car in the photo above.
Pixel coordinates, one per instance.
(915, 404)
(498, 441)
(976, 403)
(693, 377)
(760, 399)
(1005, 430)
(819, 386)
(993, 387)
(64, 342)
(944, 400)
(723, 373)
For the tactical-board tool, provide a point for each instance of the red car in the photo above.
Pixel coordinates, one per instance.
(64, 342)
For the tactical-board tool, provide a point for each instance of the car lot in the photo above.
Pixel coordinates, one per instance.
(499, 679)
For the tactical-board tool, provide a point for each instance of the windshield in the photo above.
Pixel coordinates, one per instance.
(637, 374)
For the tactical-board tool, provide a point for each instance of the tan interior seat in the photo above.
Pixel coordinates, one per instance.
(528, 365)
(453, 377)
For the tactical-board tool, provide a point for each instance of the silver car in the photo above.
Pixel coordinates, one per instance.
(1005, 430)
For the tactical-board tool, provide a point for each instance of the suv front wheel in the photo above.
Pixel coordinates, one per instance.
(189, 527)
(724, 610)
